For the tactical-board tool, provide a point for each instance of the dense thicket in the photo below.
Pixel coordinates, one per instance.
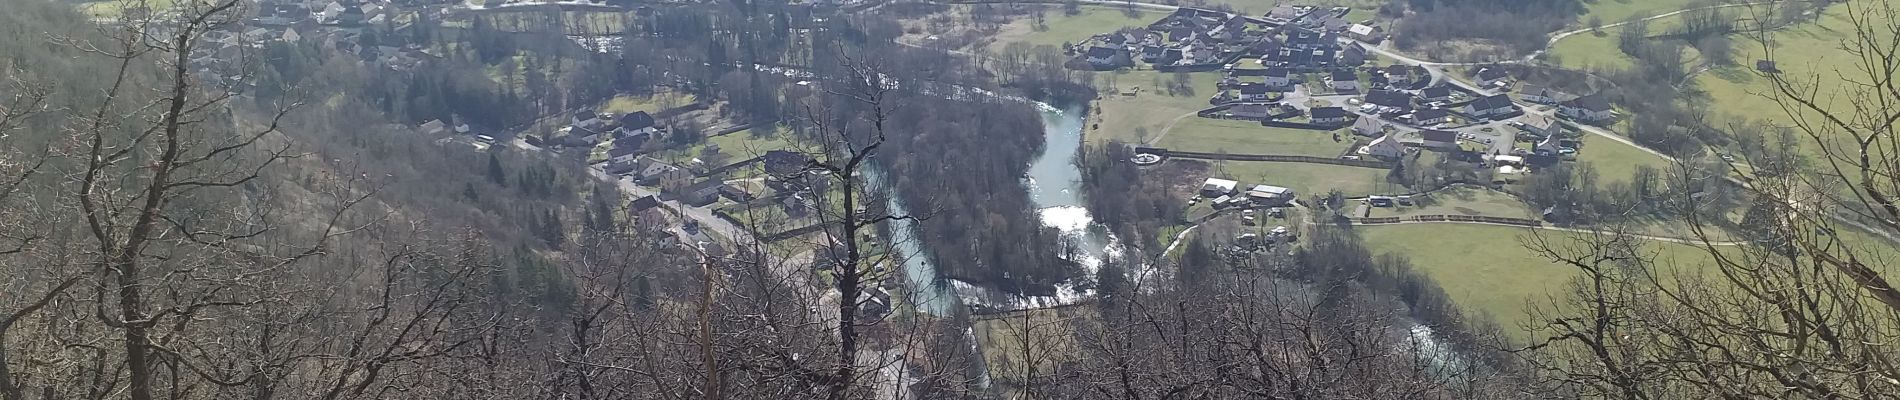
(1519, 26)
(1118, 197)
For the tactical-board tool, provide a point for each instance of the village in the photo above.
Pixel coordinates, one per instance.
(1307, 71)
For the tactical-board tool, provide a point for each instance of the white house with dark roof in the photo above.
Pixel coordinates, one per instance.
(1330, 115)
(625, 151)
(1592, 108)
(1430, 116)
(1270, 195)
(1102, 57)
(1540, 125)
(1279, 77)
(1390, 98)
(1492, 105)
(1543, 95)
(1491, 76)
(1344, 81)
(1366, 33)
(1372, 127)
(1435, 93)
(1437, 139)
(1215, 187)
(637, 123)
(1255, 93)
(1386, 146)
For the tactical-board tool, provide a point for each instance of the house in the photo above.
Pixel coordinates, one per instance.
(1386, 146)
(1435, 93)
(1279, 77)
(662, 174)
(643, 203)
(433, 127)
(637, 123)
(1344, 80)
(781, 162)
(1134, 36)
(1430, 116)
(1409, 76)
(1254, 93)
(255, 35)
(735, 193)
(1550, 145)
(625, 150)
(1437, 139)
(1369, 127)
(1107, 58)
(700, 193)
(1540, 125)
(1332, 23)
(290, 36)
(1543, 95)
(1283, 13)
(330, 12)
(1490, 106)
(1592, 108)
(1151, 53)
(1305, 39)
(1226, 32)
(351, 16)
(1182, 34)
(1262, 47)
(582, 136)
(282, 14)
(1353, 56)
(1366, 33)
(1492, 76)
(1215, 187)
(1330, 115)
(1269, 195)
(585, 118)
(1378, 81)
(1390, 98)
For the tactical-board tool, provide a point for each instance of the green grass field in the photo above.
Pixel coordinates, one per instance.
(745, 144)
(1060, 28)
(1597, 50)
(1614, 11)
(1615, 161)
(1248, 137)
(1150, 111)
(1305, 179)
(623, 104)
(1461, 201)
(113, 8)
(1809, 53)
(1487, 270)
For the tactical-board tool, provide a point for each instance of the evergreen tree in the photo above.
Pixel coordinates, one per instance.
(643, 292)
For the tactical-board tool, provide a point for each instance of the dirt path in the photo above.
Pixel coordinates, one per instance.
(1170, 127)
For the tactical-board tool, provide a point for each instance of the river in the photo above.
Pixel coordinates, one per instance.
(1054, 184)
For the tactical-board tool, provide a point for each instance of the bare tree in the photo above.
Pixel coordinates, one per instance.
(1804, 308)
